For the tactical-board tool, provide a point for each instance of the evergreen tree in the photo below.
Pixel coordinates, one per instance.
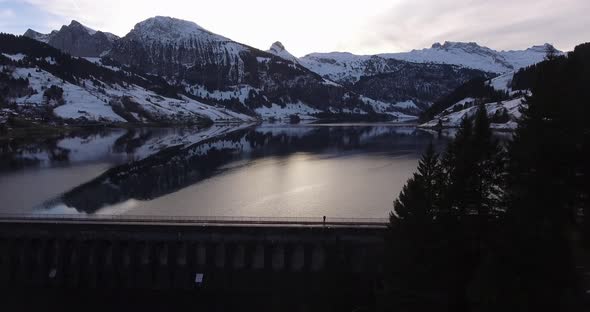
(489, 168)
(419, 199)
(459, 166)
(474, 167)
(545, 188)
(412, 238)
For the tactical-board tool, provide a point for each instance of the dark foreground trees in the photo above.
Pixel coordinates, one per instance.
(495, 230)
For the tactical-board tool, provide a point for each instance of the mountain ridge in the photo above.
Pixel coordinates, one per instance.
(213, 69)
(76, 39)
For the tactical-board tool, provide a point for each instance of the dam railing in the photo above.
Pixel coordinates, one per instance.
(188, 220)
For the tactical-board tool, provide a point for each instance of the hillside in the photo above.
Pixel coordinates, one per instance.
(242, 78)
(187, 64)
(423, 77)
(41, 82)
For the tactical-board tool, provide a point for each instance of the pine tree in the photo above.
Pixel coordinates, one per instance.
(459, 165)
(544, 186)
(474, 168)
(419, 200)
(489, 168)
(412, 235)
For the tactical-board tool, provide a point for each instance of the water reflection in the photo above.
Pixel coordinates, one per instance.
(249, 171)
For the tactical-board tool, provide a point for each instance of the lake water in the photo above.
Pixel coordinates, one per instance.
(345, 171)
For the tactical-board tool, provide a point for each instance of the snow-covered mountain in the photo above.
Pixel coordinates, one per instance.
(472, 55)
(344, 67)
(217, 71)
(421, 76)
(44, 83)
(168, 40)
(198, 65)
(76, 39)
(214, 68)
(279, 50)
(347, 67)
(390, 80)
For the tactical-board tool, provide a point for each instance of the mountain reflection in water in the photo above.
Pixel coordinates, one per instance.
(265, 171)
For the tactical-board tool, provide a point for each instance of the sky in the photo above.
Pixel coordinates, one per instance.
(306, 26)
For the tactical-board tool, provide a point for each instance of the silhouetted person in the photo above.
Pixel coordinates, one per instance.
(324, 220)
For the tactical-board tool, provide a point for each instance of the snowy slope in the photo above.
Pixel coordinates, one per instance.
(216, 69)
(160, 32)
(389, 109)
(78, 101)
(279, 50)
(93, 102)
(284, 112)
(474, 56)
(502, 82)
(451, 119)
(341, 67)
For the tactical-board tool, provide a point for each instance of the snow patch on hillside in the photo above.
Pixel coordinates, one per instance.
(450, 119)
(93, 102)
(337, 66)
(283, 112)
(240, 92)
(279, 50)
(387, 108)
(502, 82)
(406, 105)
(78, 102)
(472, 55)
(15, 57)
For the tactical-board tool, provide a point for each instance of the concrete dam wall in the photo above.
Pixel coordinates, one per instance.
(206, 258)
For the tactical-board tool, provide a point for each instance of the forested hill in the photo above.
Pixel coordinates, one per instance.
(477, 88)
(502, 97)
(491, 227)
(38, 81)
(526, 78)
(73, 69)
(104, 90)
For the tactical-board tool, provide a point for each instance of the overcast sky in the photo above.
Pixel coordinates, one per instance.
(305, 26)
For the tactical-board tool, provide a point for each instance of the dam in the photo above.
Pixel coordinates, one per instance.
(254, 258)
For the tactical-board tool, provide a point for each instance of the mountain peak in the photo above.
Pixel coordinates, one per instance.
(277, 46)
(37, 35)
(169, 24)
(279, 50)
(165, 28)
(543, 48)
(76, 39)
(77, 25)
(453, 45)
(473, 55)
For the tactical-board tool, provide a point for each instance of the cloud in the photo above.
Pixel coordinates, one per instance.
(6, 13)
(6, 18)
